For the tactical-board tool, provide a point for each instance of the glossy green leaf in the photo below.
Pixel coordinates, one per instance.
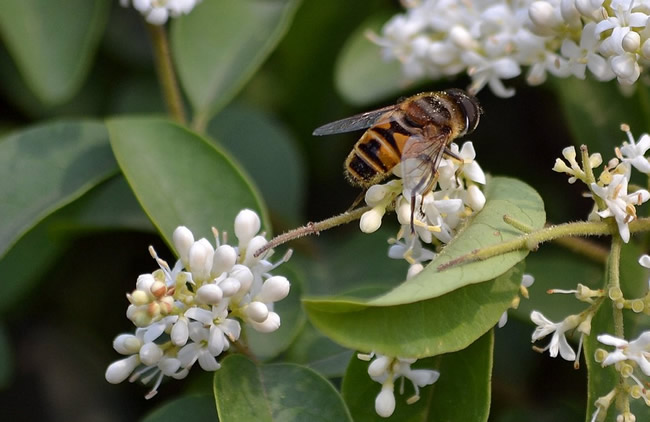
(426, 328)
(504, 197)
(179, 177)
(362, 76)
(596, 122)
(276, 165)
(200, 408)
(462, 393)
(109, 206)
(219, 46)
(53, 47)
(45, 167)
(268, 345)
(245, 391)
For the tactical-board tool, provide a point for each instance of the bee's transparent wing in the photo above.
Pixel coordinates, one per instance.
(359, 121)
(420, 160)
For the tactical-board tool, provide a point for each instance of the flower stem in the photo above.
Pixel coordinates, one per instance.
(614, 281)
(166, 74)
(313, 228)
(532, 240)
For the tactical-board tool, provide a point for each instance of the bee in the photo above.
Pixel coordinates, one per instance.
(415, 133)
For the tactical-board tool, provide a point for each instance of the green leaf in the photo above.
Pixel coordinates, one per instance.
(179, 177)
(109, 206)
(279, 392)
(52, 47)
(362, 77)
(396, 323)
(462, 393)
(596, 122)
(45, 167)
(219, 46)
(426, 328)
(504, 197)
(198, 408)
(268, 345)
(276, 166)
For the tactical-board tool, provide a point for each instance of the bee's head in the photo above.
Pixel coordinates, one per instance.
(469, 106)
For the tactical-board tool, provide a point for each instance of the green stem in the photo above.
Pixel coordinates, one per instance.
(614, 281)
(532, 240)
(166, 74)
(313, 228)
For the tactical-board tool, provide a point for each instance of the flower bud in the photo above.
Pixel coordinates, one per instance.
(257, 311)
(138, 297)
(158, 289)
(371, 220)
(144, 282)
(631, 42)
(274, 289)
(150, 353)
(376, 194)
(645, 49)
(462, 38)
(475, 198)
(127, 344)
(244, 275)
(253, 246)
(271, 324)
(379, 366)
(201, 254)
(120, 370)
(247, 224)
(183, 240)
(543, 15)
(385, 401)
(230, 286)
(224, 258)
(209, 293)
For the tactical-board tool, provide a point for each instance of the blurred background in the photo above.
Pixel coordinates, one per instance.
(59, 321)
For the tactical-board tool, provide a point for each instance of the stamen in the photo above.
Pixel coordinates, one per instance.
(552, 291)
(215, 232)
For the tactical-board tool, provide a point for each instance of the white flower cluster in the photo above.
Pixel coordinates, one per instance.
(492, 39)
(438, 214)
(156, 12)
(385, 370)
(613, 181)
(192, 312)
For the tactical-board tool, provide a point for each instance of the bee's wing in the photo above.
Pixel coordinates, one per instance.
(421, 157)
(357, 122)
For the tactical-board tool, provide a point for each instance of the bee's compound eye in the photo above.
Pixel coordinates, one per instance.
(469, 106)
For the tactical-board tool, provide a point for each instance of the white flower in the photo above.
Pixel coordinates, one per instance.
(385, 370)
(157, 12)
(636, 350)
(192, 313)
(620, 205)
(558, 342)
(634, 153)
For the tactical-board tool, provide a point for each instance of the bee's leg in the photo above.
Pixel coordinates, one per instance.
(412, 213)
(357, 200)
(452, 154)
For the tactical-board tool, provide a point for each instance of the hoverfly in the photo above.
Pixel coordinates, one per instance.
(415, 132)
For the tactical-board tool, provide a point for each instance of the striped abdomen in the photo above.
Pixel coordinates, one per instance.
(376, 153)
